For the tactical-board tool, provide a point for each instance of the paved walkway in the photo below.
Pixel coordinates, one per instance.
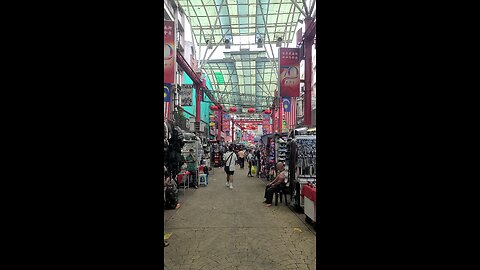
(219, 228)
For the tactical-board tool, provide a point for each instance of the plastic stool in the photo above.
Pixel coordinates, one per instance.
(204, 177)
(282, 191)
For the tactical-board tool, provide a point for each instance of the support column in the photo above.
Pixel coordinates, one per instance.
(219, 134)
(308, 73)
(198, 93)
(233, 129)
(280, 116)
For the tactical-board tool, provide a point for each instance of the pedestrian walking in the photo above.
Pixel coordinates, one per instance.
(241, 158)
(229, 159)
(257, 157)
(250, 159)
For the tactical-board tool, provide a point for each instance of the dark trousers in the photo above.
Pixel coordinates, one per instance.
(250, 168)
(258, 167)
(241, 162)
(269, 191)
(193, 178)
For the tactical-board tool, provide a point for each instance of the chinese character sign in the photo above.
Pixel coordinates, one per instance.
(289, 72)
(169, 52)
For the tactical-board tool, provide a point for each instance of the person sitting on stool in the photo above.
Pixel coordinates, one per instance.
(192, 167)
(275, 185)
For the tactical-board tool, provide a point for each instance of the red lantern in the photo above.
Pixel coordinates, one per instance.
(213, 107)
(251, 110)
(267, 112)
(233, 109)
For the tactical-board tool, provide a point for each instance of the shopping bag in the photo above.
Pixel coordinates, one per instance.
(254, 169)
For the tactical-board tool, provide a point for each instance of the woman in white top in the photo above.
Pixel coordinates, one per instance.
(230, 159)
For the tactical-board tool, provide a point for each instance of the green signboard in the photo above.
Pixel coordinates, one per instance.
(219, 77)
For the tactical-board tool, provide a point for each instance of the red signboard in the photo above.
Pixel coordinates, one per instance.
(169, 52)
(289, 72)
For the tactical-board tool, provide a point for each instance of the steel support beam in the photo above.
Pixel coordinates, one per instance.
(274, 62)
(299, 7)
(197, 82)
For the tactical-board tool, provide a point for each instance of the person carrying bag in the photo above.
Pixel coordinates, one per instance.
(230, 160)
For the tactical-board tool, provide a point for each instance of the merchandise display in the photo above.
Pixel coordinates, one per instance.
(309, 196)
(303, 166)
(240, 76)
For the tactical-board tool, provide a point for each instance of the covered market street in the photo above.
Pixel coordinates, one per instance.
(219, 228)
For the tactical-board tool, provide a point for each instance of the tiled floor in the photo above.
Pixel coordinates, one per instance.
(219, 228)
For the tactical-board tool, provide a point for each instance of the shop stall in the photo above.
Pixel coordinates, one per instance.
(309, 196)
(302, 169)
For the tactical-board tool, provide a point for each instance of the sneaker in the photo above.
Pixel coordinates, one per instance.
(226, 184)
(231, 186)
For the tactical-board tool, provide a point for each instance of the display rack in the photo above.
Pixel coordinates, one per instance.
(303, 148)
(281, 149)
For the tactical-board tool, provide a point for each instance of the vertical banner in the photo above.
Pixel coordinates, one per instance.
(167, 90)
(186, 94)
(289, 72)
(290, 108)
(266, 124)
(217, 118)
(226, 123)
(169, 52)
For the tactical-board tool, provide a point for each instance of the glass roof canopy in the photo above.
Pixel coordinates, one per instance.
(243, 78)
(213, 19)
(246, 79)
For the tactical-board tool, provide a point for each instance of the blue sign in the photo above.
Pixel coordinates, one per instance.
(286, 104)
(167, 89)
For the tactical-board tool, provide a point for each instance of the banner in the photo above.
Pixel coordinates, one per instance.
(286, 104)
(167, 89)
(169, 52)
(289, 72)
(186, 94)
(226, 123)
(291, 115)
(266, 124)
(217, 118)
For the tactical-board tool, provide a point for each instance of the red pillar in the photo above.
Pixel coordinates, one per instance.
(219, 134)
(272, 116)
(280, 116)
(197, 92)
(233, 129)
(308, 73)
